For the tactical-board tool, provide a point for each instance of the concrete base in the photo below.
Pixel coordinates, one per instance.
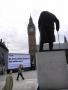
(52, 70)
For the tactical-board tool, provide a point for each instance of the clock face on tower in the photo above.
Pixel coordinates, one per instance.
(31, 30)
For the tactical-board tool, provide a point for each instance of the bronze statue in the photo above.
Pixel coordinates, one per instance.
(46, 28)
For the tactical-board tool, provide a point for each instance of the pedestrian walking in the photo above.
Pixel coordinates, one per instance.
(9, 82)
(20, 72)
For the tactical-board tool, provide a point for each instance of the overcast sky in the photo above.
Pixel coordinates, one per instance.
(14, 18)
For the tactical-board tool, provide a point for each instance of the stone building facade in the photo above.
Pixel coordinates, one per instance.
(3, 57)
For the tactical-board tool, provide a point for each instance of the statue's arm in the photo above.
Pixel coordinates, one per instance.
(57, 24)
(39, 23)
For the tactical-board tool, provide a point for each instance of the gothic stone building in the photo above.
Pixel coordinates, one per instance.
(3, 56)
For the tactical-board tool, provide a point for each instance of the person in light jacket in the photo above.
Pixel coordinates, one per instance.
(9, 82)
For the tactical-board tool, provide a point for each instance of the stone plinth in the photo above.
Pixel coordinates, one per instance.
(52, 70)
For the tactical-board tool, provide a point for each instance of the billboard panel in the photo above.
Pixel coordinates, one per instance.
(14, 60)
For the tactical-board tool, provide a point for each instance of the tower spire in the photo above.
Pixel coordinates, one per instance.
(32, 42)
(31, 24)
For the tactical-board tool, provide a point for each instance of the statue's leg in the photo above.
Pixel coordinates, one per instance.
(41, 46)
(38, 88)
(51, 45)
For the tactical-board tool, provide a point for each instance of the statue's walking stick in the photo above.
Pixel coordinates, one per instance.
(58, 39)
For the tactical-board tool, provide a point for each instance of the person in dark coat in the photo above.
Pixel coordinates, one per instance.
(20, 72)
(46, 28)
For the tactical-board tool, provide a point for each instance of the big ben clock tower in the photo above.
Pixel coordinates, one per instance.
(32, 42)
